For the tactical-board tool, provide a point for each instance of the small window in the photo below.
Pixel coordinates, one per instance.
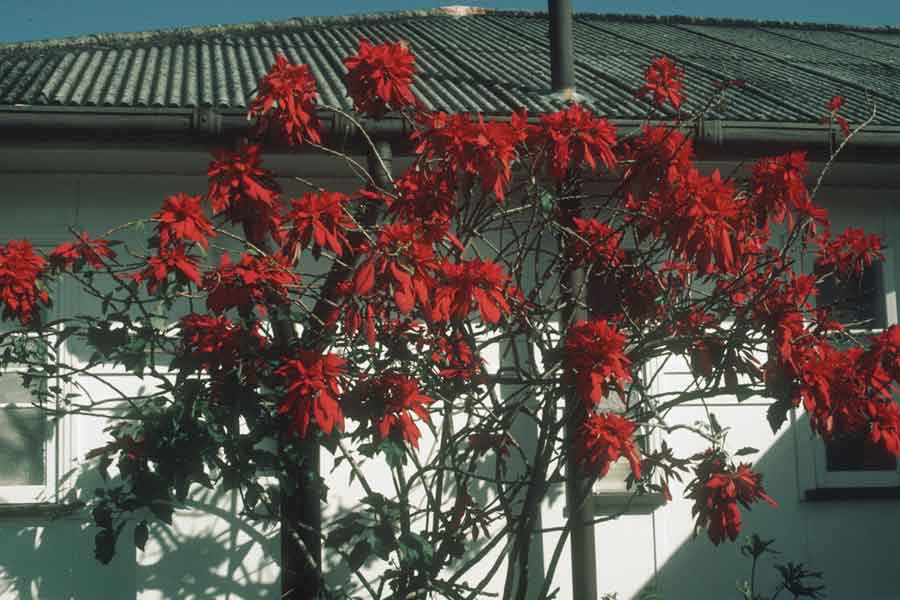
(858, 301)
(866, 304)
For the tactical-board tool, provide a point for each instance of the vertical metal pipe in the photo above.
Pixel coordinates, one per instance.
(579, 496)
(562, 55)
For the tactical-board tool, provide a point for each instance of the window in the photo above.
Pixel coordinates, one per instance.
(27, 439)
(866, 304)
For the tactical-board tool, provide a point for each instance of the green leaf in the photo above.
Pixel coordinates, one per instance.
(747, 450)
(359, 554)
(777, 414)
(105, 546)
(141, 534)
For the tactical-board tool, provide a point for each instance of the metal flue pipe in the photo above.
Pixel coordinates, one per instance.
(562, 55)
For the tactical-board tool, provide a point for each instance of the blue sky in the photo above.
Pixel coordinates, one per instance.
(38, 19)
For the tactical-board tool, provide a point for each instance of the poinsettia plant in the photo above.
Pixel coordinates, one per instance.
(412, 326)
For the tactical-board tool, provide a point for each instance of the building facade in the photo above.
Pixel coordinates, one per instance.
(97, 131)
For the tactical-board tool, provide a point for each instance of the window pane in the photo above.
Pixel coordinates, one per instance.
(855, 300)
(23, 431)
(854, 452)
(22, 434)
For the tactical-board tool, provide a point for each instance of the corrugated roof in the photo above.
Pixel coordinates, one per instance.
(487, 61)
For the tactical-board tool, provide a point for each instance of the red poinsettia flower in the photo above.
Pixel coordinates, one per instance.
(391, 399)
(455, 357)
(82, 251)
(481, 282)
(779, 189)
(849, 253)
(252, 281)
(287, 95)
(21, 290)
(378, 77)
(834, 106)
(169, 260)
(475, 148)
(601, 440)
(400, 263)
(182, 219)
(312, 386)
(243, 191)
(718, 489)
(596, 242)
(663, 82)
(595, 360)
(216, 343)
(320, 219)
(574, 136)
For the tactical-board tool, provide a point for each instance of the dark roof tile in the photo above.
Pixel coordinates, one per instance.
(491, 62)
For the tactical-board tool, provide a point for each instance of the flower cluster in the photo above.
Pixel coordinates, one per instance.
(717, 491)
(319, 219)
(243, 191)
(82, 251)
(252, 281)
(378, 77)
(182, 220)
(391, 399)
(312, 387)
(21, 290)
(291, 91)
(663, 82)
(572, 137)
(595, 360)
(601, 440)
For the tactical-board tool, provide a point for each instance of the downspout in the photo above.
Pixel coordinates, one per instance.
(579, 497)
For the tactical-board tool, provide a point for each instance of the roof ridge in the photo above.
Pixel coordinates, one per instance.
(256, 27)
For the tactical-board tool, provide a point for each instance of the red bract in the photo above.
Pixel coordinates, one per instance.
(702, 219)
(291, 91)
(378, 77)
(425, 198)
(392, 399)
(171, 259)
(778, 190)
(182, 219)
(400, 263)
(601, 440)
(595, 360)
(659, 153)
(717, 491)
(475, 148)
(574, 136)
(320, 218)
(82, 251)
(20, 287)
(834, 105)
(848, 254)
(663, 81)
(471, 281)
(243, 191)
(216, 343)
(454, 357)
(312, 388)
(252, 281)
(596, 243)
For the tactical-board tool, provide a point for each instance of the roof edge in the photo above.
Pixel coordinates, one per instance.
(450, 12)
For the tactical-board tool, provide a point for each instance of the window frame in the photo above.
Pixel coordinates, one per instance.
(880, 478)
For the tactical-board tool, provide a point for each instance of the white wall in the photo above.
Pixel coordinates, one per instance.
(211, 553)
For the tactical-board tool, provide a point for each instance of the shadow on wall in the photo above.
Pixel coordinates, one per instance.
(855, 543)
(209, 552)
